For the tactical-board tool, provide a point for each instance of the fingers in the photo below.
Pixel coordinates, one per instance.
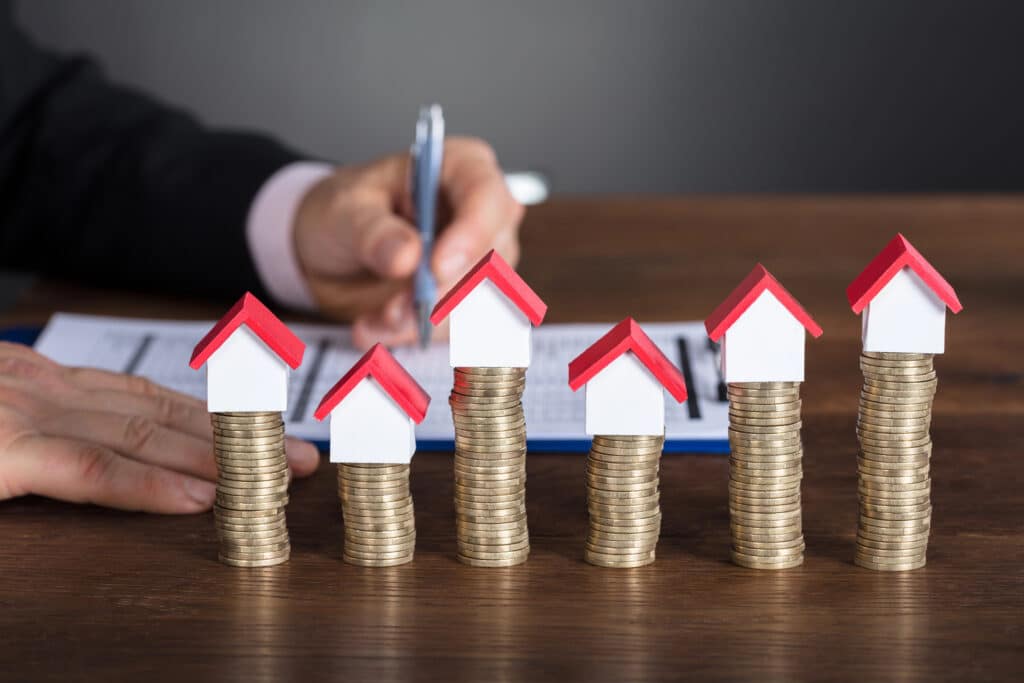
(394, 324)
(485, 215)
(82, 472)
(154, 424)
(385, 243)
(345, 299)
(130, 414)
(189, 416)
(303, 457)
(138, 437)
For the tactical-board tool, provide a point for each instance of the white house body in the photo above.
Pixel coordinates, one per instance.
(489, 331)
(245, 375)
(367, 426)
(906, 316)
(765, 344)
(625, 398)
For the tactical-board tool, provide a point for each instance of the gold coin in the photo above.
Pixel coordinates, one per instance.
(264, 553)
(896, 567)
(259, 492)
(635, 525)
(373, 467)
(626, 554)
(640, 505)
(517, 507)
(267, 562)
(745, 394)
(378, 563)
(505, 537)
(751, 453)
(879, 537)
(792, 477)
(462, 491)
(352, 554)
(754, 562)
(909, 457)
(490, 551)
(751, 443)
(870, 545)
(763, 430)
(267, 432)
(765, 529)
(245, 418)
(629, 439)
(368, 545)
(770, 551)
(759, 409)
(482, 487)
(751, 538)
(617, 564)
(764, 508)
(624, 454)
(509, 562)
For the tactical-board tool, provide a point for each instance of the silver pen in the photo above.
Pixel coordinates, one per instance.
(426, 156)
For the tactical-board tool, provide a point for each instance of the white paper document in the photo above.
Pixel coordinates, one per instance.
(160, 350)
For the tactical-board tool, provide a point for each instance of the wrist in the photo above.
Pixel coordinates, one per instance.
(271, 232)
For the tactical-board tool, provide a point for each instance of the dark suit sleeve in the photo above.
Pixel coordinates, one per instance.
(101, 183)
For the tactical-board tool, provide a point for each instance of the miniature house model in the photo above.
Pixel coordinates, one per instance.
(761, 328)
(373, 409)
(902, 300)
(247, 355)
(492, 313)
(626, 376)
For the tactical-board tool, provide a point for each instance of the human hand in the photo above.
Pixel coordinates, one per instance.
(91, 436)
(358, 247)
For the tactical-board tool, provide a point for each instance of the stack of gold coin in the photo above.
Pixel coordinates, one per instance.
(622, 500)
(765, 469)
(380, 528)
(490, 466)
(252, 488)
(894, 484)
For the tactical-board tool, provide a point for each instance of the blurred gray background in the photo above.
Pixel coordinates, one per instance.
(637, 96)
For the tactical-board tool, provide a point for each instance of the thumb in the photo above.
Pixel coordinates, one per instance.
(385, 243)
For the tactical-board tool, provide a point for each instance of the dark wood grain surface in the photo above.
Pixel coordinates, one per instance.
(87, 593)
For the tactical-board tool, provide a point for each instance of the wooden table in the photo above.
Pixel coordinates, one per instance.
(90, 593)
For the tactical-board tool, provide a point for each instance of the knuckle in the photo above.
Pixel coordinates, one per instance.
(20, 368)
(141, 385)
(94, 463)
(152, 484)
(139, 430)
(169, 411)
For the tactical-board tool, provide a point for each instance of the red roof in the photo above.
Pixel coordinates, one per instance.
(737, 303)
(382, 366)
(899, 253)
(627, 336)
(250, 311)
(498, 271)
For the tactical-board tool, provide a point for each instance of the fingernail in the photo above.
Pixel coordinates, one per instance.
(201, 491)
(453, 265)
(301, 454)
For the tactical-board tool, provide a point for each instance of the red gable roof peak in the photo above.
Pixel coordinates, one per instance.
(746, 293)
(379, 364)
(898, 254)
(627, 336)
(494, 268)
(268, 327)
